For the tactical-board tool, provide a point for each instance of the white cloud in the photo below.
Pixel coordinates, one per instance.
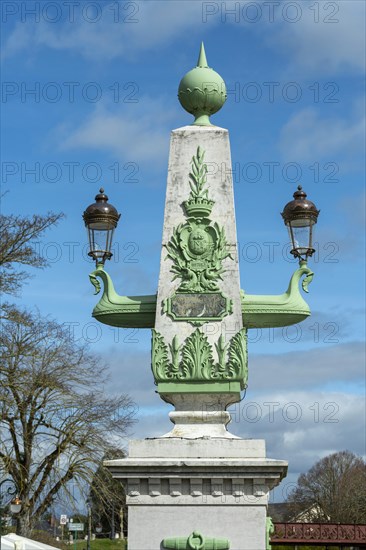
(308, 136)
(283, 373)
(139, 133)
(112, 36)
(328, 37)
(302, 427)
(324, 43)
(311, 370)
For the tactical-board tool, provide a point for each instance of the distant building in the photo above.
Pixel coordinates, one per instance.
(284, 512)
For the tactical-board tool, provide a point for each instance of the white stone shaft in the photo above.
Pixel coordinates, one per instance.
(183, 146)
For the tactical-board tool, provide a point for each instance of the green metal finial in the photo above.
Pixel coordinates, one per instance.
(202, 61)
(202, 91)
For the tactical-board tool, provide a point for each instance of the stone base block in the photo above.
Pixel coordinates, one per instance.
(150, 526)
(215, 487)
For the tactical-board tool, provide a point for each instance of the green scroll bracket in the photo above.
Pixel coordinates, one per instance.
(258, 311)
(196, 541)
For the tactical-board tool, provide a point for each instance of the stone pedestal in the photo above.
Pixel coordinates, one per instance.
(214, 487)
(198, 487)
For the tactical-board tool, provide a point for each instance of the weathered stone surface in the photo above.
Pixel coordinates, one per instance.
(238, 525)
(184, 145)
(202, 448)
(218, 487)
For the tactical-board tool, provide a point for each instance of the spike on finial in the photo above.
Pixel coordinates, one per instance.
(202, 61)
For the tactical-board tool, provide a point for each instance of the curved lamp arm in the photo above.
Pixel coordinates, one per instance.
(289, 308)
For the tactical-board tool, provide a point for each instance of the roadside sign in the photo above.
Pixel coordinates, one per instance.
(75, 527)
(63, 519)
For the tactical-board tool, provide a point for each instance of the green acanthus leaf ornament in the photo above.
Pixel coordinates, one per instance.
(193, 361)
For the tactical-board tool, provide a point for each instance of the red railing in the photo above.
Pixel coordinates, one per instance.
(319, 533)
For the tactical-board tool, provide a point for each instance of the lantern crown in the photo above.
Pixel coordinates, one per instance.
(300, 208)
(101, 212)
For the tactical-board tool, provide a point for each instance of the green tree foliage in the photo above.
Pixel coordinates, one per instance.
(333, 490)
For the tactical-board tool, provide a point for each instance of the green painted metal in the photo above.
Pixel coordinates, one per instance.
(192, 361)
(198, 204)
(202, 60)
(121, 311)
(200, 387)
(286, 309)
(195, 541)
(258, 311)
(270, 529)
(202, 91)
(197, 248)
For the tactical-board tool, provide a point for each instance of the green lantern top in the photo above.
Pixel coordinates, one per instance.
(202, 91)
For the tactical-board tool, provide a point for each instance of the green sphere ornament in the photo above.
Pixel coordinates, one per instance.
(202, 91)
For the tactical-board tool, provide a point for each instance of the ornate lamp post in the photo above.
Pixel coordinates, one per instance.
(15, 503)
(199, 319)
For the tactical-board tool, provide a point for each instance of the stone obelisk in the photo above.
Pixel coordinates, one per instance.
(198, 486)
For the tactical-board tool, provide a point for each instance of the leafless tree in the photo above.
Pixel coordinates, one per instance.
(333, 490)
(17, 247)
(56, 423)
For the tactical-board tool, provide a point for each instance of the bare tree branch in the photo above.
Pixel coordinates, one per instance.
(16, 236)
(334, 490)
(59, 421)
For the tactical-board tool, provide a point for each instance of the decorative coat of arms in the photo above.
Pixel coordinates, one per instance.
(197, 249)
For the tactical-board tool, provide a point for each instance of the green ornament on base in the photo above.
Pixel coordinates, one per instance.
(202, 91)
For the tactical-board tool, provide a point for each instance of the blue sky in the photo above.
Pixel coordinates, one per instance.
(104, 77)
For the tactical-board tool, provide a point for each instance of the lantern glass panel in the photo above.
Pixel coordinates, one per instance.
(100, 240)
(300, 232)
